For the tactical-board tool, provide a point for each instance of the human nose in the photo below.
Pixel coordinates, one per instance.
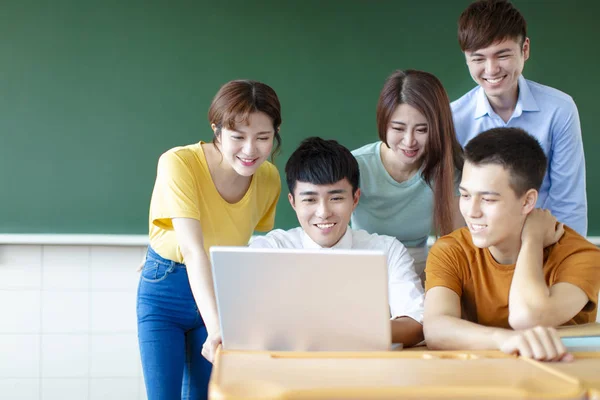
(491, 66)
(473, 208)
(323, 210)
(409, 138)
(249, 147)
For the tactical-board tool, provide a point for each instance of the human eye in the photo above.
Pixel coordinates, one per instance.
(264, 138)
(237, 137)
(308, 200)
(422, 130)
(465, 195)
(337, 198)
(488, 200)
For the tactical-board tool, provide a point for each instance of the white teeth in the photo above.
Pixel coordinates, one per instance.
(247, 160)
(494, 80)
(324, 226)
(476, 227)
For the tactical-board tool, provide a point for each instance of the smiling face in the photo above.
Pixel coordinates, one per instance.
(324, 210)
(247, 146)
(493, 212)
(407, 135)
(497, 68)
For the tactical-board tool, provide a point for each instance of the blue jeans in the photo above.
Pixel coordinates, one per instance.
(171, 332)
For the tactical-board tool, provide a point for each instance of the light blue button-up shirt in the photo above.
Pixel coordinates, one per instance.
(552, 117)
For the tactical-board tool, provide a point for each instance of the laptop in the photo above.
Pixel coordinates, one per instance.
(302, 300)
(585, 337)
(582, 343)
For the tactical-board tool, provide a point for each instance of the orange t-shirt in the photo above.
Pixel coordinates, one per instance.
(483, 284)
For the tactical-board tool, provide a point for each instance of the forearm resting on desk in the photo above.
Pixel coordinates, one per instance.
(407, 331)
(450, 333)
(444, 332)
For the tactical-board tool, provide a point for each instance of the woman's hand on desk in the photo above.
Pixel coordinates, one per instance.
(540, 343)
(209, 348)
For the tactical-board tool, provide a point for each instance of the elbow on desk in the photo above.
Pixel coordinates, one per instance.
(434, 344)
(526, 318)
(431, 332)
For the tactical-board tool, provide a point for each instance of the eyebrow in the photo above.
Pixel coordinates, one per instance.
(403, 123)
(488, 193)
(313, 193)
(257, 133)
(506, 50)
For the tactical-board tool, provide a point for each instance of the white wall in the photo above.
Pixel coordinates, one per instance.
(68, 322)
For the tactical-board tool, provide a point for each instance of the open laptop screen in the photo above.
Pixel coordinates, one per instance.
(302, 300)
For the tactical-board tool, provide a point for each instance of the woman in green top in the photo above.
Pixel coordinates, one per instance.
(409, 178)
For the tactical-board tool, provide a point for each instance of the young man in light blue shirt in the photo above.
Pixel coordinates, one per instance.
(493, 36)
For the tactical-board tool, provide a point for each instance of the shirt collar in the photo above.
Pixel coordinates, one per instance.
(483, 106)
(525, 101)
(345, 243)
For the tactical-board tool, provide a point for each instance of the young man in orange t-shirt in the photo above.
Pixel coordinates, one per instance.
(512, 266)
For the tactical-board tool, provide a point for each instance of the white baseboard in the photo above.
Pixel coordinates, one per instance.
(117, 240)
(75, 239)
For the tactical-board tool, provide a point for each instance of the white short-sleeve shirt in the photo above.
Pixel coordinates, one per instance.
(406, 294)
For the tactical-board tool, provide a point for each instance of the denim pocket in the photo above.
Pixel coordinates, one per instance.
(155, 271)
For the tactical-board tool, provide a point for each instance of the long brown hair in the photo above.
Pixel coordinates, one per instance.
(443, 155)
(236, 100)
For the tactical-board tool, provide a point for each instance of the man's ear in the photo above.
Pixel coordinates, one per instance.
(355, 199)
(291, 200)
(526, 48)
(529, 200)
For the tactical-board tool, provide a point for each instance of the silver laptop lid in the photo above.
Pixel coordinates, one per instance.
(302, 300)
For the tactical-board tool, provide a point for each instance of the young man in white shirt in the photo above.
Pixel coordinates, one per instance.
(322, 177)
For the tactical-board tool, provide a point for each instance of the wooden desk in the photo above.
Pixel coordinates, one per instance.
(415, 373)
(585, 368)
(385, 375)
(591, 329)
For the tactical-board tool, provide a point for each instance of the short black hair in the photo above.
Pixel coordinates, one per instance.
(514, 149)
(321, 162)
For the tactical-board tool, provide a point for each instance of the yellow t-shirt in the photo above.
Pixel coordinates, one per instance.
(483, 284)
(184, 189)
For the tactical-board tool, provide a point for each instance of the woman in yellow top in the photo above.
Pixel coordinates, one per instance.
(206, 194)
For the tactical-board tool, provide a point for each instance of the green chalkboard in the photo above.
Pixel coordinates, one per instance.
(92, 92)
